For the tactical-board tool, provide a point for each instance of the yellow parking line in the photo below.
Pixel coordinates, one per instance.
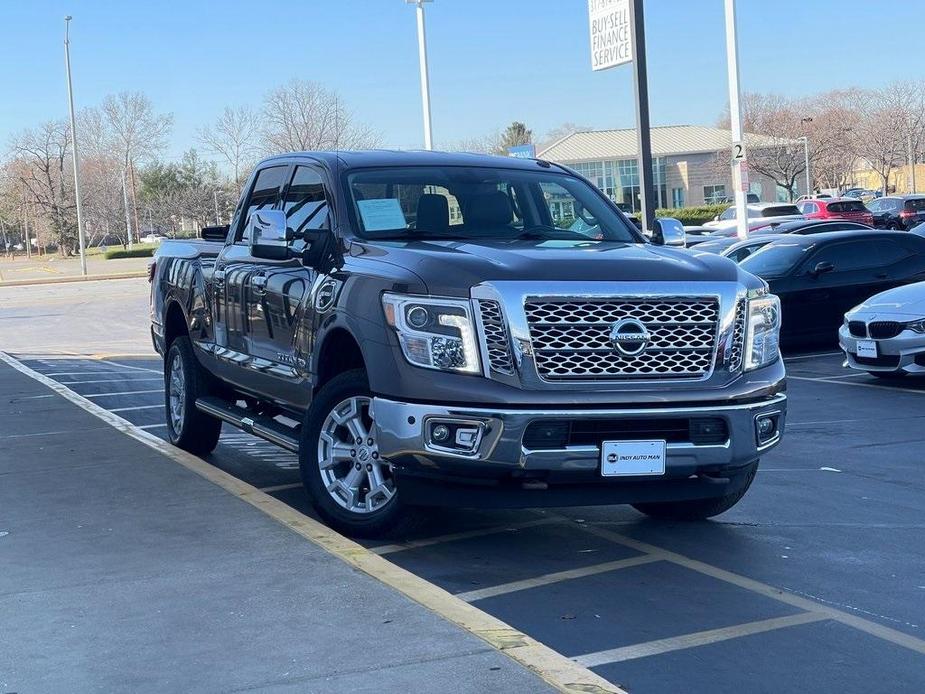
(873, 628)
(557, 577)
(463, 535)
(700, 638)
(559, 671)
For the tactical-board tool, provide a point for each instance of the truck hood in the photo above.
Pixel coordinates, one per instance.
(450, 268)
(902, 301)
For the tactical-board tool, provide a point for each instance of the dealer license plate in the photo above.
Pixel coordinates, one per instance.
(867, 348)
(627, 458)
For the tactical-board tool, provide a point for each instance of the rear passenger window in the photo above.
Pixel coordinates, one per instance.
(853, 255)
(847, 206)
(264, 195)
(888, 252)
(305, 204)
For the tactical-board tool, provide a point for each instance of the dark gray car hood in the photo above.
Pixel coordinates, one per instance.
(450, 268)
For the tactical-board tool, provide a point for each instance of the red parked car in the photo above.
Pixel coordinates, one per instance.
(836, 208)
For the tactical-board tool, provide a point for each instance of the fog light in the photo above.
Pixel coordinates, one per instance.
(459, 436)
(766, 428)
(440, 433)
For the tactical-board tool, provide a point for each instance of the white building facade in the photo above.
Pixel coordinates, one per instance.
(691, 164)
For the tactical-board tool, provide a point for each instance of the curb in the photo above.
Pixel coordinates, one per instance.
(74, 278)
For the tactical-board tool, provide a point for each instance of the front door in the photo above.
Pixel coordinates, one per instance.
(279, 316)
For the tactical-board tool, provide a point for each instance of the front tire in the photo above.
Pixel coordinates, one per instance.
(350, 486)
(699, 509)
(184, 381)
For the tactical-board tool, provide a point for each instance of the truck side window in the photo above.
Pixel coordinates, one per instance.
(305, 203)
(263, 195)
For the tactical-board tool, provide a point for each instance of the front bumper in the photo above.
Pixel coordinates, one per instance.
(499, 453)
(904, 353)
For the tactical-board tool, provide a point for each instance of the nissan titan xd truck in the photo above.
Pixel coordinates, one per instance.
(432, 329)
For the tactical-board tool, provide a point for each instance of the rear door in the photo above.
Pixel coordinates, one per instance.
(826, 298)
(234, 268)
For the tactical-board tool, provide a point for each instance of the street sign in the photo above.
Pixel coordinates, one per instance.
(611, 33)
(522, 151)
(738, 151)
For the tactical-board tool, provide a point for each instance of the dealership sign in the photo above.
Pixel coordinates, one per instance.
(611, 33)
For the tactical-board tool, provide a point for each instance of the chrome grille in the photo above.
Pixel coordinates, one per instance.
(738, 339)
(571, 338)
(496, 339)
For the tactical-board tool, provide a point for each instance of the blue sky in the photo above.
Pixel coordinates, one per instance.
(492, 61)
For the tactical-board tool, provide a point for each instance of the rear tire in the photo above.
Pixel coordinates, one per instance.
(699, 509)
(350, 486)
(184, 381)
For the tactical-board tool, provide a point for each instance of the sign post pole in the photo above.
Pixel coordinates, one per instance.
(643, 132)
(739, 160)
(425, 77)
(618, 36)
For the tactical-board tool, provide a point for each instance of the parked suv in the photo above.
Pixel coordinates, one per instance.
(437, 329)
(836, 208)
(901, 212)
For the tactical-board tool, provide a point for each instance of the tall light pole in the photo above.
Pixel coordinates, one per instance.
(425, 79)
(739, 161)
(809, 178)
(70, 99)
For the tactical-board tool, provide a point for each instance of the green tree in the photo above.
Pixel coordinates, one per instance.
(515, 134)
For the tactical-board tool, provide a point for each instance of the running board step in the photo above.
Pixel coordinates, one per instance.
(265, 427)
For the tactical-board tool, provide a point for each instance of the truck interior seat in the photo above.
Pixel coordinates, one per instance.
(433, 214)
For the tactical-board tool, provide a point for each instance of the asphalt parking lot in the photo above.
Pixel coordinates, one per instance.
(814, 582)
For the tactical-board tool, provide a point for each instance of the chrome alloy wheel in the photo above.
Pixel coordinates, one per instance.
(176, 390)
(348, 456)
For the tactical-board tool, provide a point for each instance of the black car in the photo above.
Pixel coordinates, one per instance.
(819, 277)
(901, 212)
(797, 226)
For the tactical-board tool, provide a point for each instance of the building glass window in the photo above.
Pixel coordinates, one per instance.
(677, 197)
(713, 195)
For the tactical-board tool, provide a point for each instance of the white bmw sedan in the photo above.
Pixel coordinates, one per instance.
(885, 335)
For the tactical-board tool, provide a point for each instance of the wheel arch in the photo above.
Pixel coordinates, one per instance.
(338, 351)
(175, 323)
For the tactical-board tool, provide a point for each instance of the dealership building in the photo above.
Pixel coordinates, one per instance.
(691, 164)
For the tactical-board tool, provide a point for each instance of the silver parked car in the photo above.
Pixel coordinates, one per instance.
(885, 335)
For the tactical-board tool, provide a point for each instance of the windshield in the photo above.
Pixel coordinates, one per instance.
(464, 203)
(775, 259)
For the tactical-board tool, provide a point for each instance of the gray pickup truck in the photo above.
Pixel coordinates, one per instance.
(462, 330)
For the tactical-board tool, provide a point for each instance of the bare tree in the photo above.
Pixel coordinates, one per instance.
(234, 137)
(560, 132)
(307, 116)
(42, 155)
(879, 138)
(138, 132)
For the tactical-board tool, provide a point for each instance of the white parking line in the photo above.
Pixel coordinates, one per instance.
(800, 357)
(125, 392)
(557, 577)
(84, 372)
(700, 638)
(152, 426)
(137, 407)
(108, 380)
(856, 385)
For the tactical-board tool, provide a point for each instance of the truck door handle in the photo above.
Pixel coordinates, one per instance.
(218, 276)
(259, 284)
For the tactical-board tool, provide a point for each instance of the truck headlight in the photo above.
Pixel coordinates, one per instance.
(434, 333)
(762, 335)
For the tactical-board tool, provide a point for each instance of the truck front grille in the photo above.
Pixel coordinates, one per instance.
(884, 329)
(497, 342)
(571, 338)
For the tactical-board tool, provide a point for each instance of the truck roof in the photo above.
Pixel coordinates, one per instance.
(349, 159)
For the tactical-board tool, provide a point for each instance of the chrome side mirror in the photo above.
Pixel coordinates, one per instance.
(669, 232)
(267, 233)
